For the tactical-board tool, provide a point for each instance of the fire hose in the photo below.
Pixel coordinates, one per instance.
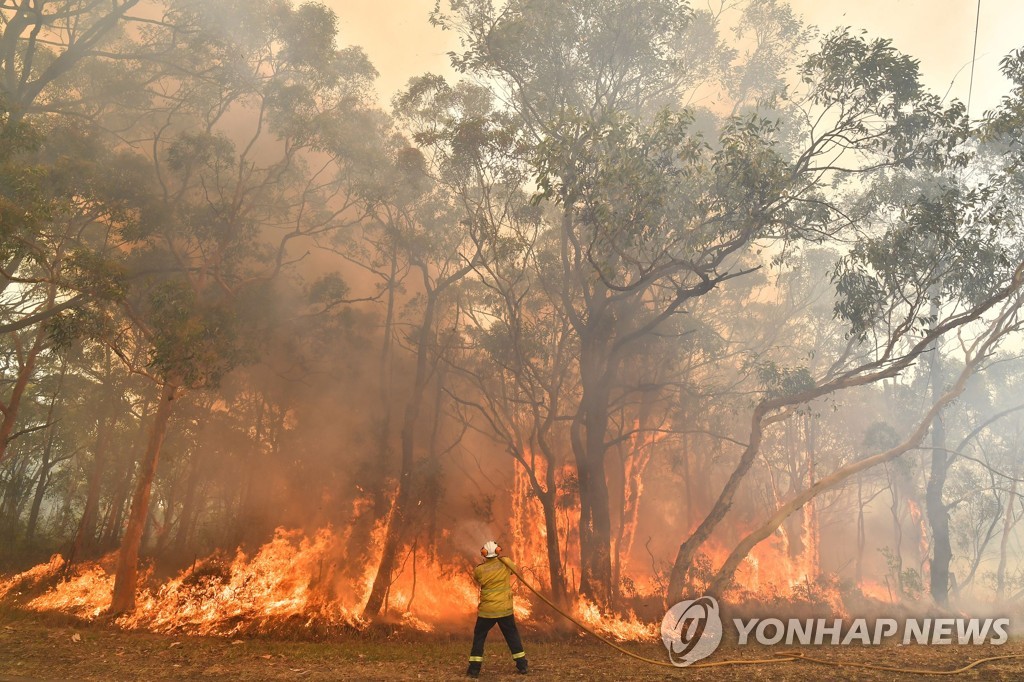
(780, 657)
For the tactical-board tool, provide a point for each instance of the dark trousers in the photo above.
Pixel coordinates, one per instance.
(508, 629)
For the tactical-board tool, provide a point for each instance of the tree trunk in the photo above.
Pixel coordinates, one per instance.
(252, 521)
(14, 495)
(895, 510)
(728, 569)
(1005, 540)
(595, 515)
(938, 514)
(48, 462)
(810, 537)
(589, 448)
(555, 571)
(114, 518)
(119, 499)
(44, 474)
(397, 521)
(688, 550)
(938, 519)
(858, 570)
(373, 474)
(126, 576)
(430, 500)
(639, 456)
(548, 496)
(161, 528)
(85, 537)
(25, 372)
(188, 508)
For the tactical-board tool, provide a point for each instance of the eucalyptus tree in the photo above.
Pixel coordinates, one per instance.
(438, 231)
(62, 65)
(111, 387)
(982, 490)
(81, 192)
(989, 216)
(657, 203)
(513, 370)
(582, 80)
(945, 234)
(66, 191)
(248, 155)
(44, 44)
(37, 449)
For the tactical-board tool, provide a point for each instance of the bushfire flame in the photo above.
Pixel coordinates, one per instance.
(294, 582)
(291, 581)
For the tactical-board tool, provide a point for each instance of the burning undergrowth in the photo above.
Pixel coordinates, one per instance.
(291, 585)
(295, 585)
(34, 580)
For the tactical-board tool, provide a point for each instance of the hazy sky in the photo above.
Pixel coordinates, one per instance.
(940, 33)
(401, 43)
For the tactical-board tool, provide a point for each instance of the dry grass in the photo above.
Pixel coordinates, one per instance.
(53, 647)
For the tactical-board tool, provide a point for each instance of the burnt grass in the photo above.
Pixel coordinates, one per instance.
(55, 647)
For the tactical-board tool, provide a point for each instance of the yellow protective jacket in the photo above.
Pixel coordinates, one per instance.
(493, 577)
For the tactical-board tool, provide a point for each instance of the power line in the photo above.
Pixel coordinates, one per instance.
(974, 56)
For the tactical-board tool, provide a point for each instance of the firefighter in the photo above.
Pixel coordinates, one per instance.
(493, 576)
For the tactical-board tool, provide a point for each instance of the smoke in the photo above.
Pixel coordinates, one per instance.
(291, 465)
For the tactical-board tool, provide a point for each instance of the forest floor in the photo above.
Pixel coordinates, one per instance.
(37, 647)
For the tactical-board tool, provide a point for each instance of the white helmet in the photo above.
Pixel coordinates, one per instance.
(490, 549)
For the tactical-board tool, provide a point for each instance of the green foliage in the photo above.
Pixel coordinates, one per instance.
(22, 203)
(96, 274)
(952, 245)
(911, 584)
(880, 436)
(777, 381)
(778, 34)
(873, 73)
(865, 82)
(329, 289)
(568, 55)
(195, 342)
(196, 150)
(1007, 122)
(463, 129)
(69, 194)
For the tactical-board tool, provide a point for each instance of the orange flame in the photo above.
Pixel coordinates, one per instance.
(622, 628)
(292, 580)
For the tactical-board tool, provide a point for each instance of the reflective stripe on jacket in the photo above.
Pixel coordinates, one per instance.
(495, 588)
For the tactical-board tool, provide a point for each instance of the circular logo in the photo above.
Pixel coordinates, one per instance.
(691, 630)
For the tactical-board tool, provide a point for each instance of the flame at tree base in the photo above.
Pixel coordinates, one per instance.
(292, 582)
(300, 585)
(626, 628)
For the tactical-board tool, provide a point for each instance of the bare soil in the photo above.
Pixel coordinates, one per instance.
(50, 647)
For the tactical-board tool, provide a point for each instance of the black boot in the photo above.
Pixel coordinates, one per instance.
(521, 666)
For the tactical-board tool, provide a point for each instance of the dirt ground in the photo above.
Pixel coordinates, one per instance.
(34, 647)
